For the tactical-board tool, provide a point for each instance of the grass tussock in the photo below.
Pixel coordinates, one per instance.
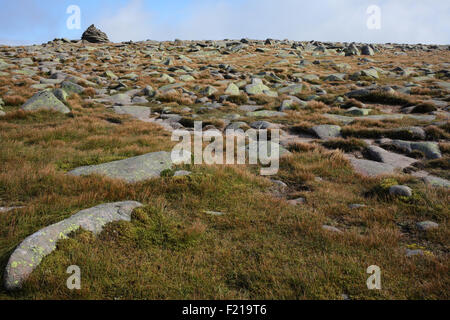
(14, 100)
(383, 97)
(174, 97)
(347, 145)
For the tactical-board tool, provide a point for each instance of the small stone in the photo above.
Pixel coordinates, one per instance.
(208, 91)
(398, 190)
(296, 202)
(427, 225)
(416, 252)
(7, 209)
(331, 229)
(345, 296)
(280, 183)
(214, 213)
(356, 206)
(181, 173)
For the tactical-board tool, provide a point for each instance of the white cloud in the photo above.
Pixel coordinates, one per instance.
(132, 22)
(403, 21)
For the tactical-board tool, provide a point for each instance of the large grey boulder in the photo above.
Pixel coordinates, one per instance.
(131, 170)
(94, 35)
(45, 100)
(29, 254)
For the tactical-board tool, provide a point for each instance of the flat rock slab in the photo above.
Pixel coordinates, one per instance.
(393, 159)
(138, 112)
(29, 254)
(131, 170)
(370, 168)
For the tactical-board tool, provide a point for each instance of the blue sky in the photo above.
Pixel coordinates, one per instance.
(404, 21)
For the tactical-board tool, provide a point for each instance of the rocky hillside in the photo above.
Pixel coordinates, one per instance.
(86, 177)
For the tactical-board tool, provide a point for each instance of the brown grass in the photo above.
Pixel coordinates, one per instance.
(14, 100)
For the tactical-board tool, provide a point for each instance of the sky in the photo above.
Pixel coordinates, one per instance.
(24, 22)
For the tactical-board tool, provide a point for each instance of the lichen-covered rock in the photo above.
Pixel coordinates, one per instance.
(327, 131)
(292, 89)
(256, 87)
(29, 254)
(131, 170)
(45, 100)
(71, 87)
(232, 90)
